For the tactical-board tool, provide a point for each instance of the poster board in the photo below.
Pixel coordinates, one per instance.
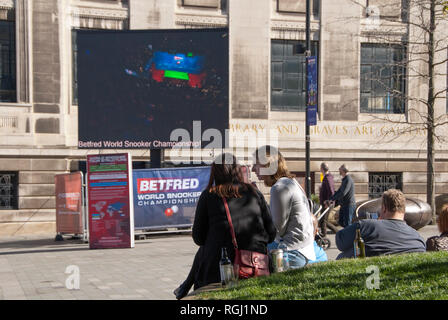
(69, 209)
(110, 201)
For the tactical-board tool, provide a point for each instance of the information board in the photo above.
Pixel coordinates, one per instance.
(69, 217)
(110, 201)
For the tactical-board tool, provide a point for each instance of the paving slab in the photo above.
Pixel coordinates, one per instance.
(35, 267)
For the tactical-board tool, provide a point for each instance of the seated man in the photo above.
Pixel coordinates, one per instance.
(388, 235)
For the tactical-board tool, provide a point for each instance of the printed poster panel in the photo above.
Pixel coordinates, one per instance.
(167, 197)
(110, 201)
(69, 203)
(312, 90)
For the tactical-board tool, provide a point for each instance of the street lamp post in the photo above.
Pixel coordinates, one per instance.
(307, 126)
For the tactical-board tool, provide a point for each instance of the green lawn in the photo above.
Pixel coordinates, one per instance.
(407, 276)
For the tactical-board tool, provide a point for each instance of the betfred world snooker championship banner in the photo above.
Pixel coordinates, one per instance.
(167, 197)
(110, 201)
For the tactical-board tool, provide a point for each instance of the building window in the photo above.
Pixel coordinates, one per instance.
(383, 74)
(383, 181)
(294, 6)
(74, 69)
(201, 3)
(9, 183)
(288, 83)
(7, 61)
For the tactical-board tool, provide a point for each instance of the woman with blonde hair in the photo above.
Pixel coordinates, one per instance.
(440, 243)
(289, 207)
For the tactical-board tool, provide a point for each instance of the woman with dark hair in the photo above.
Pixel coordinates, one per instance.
(250, 215)
(440, 243)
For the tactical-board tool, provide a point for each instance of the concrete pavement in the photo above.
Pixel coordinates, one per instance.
(35, 268)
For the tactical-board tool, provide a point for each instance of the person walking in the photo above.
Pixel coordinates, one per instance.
(325, 193)
(289, 207)
(345, 197)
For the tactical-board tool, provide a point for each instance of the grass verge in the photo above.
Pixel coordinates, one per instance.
(415, 276)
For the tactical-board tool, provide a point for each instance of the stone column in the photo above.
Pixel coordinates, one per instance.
(249, 29)
(46, 65)
(151, 14)
(23, 46)
(340, 64)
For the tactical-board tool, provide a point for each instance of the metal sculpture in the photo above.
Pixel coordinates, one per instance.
(418, 213)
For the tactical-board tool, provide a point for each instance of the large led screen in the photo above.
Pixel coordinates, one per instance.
(135, 87)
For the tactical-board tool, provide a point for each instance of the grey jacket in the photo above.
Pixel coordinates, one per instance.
(291, 216)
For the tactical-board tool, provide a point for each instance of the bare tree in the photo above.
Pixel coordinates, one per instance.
(422, 31)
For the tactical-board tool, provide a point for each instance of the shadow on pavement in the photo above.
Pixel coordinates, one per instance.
(19, 246)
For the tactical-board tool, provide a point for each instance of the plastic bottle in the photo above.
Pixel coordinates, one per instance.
(225, 268)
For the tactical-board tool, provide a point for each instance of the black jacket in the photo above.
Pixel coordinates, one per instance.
(251, 220)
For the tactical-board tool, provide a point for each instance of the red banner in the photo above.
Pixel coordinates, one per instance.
(111, 207)
(69, 203)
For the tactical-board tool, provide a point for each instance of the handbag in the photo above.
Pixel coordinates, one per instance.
(247, 264)
(437, 243)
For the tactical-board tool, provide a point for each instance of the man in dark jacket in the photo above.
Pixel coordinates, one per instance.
(388, 235)
(345, 197)
(325, 193)
(327, 187)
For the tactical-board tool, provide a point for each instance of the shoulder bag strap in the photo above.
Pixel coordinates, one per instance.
(308, 201)
(232, 231)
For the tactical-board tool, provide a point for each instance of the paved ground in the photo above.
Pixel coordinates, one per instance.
(34, 268)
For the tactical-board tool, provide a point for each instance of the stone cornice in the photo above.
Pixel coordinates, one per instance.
(100, 13)
(7, 4)
(201, 20)
(292, 25)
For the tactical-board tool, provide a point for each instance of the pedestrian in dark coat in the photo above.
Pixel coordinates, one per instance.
(327, 187)
(325, 193)
(345, 197)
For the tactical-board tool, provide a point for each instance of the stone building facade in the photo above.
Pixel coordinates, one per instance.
(358, 123)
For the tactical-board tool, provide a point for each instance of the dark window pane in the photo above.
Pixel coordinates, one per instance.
(288, 74)
(7, 62)
(9, 186)
(382, 76)
(383, 181)
(291, 99)
(364, 102)
(366, 76)
(292, 83)
(289, 49)
(292, 66)
(74, 69)
(366, 54)
(277, 49)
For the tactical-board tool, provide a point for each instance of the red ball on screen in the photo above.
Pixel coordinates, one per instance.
(169, 212)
